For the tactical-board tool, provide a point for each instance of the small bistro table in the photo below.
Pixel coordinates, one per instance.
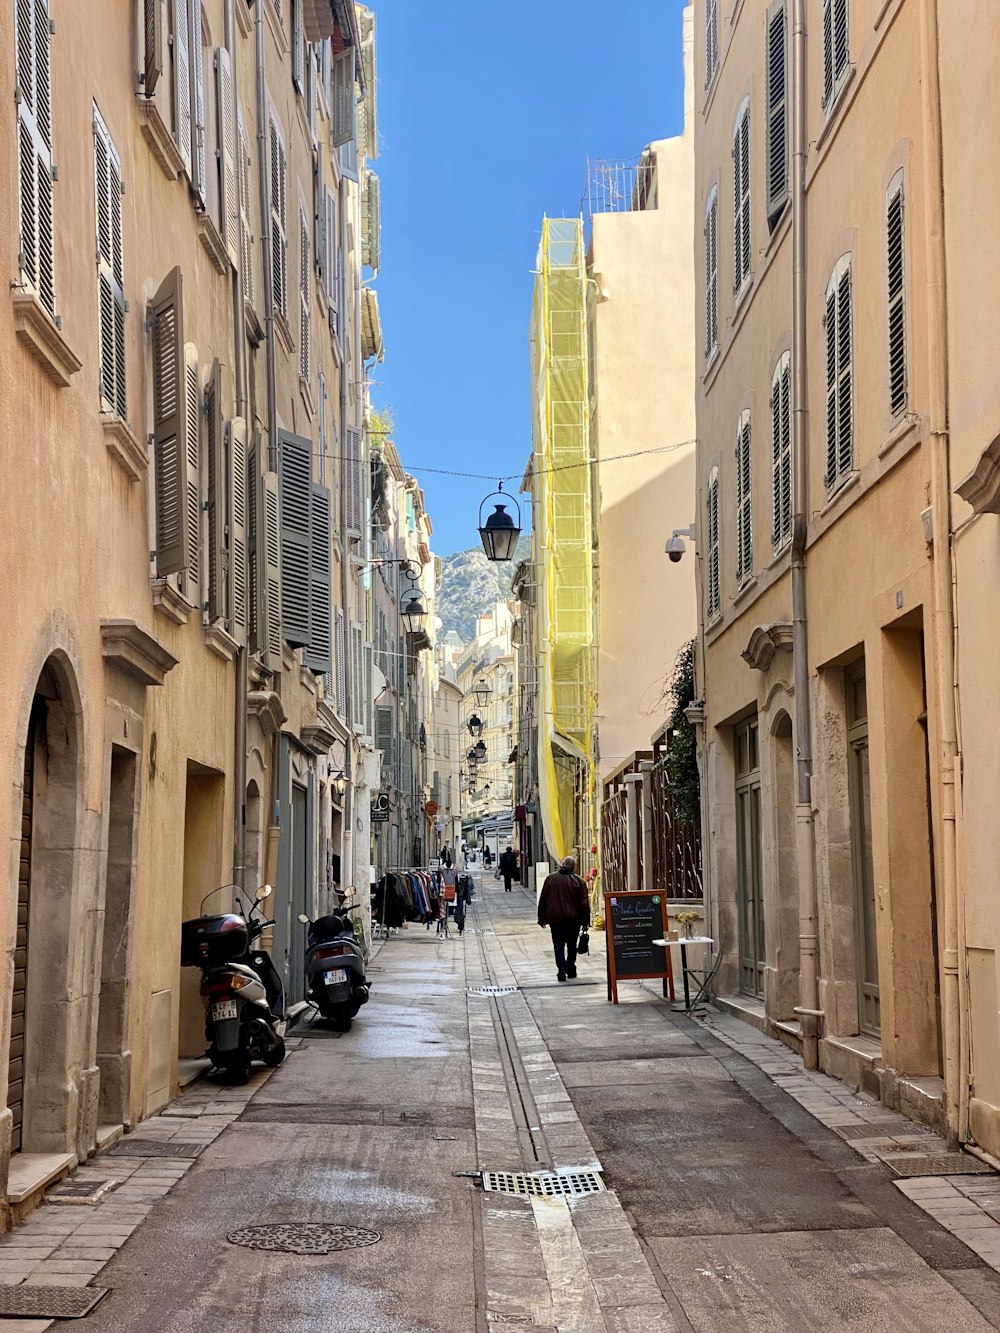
(685, 970)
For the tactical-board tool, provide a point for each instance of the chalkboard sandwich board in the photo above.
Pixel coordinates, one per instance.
(634, 920)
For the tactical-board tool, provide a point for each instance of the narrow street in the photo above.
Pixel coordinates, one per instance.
(728, 1204)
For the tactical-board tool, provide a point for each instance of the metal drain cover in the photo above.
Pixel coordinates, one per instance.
(934, 1164)
(80, 1191)
(156, 1148)
(492, 990)
(49, 1302)
(303, 1237)
(544, 1184)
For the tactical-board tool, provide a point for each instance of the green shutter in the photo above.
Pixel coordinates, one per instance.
(319, 653)
(239, 576)
(295, 474)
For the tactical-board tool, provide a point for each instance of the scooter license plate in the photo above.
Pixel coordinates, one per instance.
(224, 1009)
(335, 976)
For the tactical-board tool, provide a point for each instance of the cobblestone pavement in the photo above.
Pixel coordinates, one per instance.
(739, 1192)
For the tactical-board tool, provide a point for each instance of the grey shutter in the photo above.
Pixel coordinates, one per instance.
(169, 426)
(356, 671)
(319, 653)
(182, 82)
(354, 482)
(319, 217)
(831, 389)
(153, 45)
(110, 271)
(298, 45)
(341, 663)
(342, 108)
(295, 455)
(841, 50)
(246, 227)
(744, 505)
(199, 171)
(229, 203)
(254, 540)
(383, 732)
(239, 576)
(406, 769)
(711, 40)
(192, 476)
(34, 128)
(269, 574)
(368, 720)
(279, 243)
(215, 444)
(712, 274)
(776, 89)
(895, 267)
(714, 587)
(371, 222)
(781, 462)
(845, 377)
(305, 304)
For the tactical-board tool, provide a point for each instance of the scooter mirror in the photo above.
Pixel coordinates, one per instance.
(304, 919)
(263, 892)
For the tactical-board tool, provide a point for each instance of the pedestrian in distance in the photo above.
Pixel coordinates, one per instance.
(508, 867)
(447, 860)
(564, 906)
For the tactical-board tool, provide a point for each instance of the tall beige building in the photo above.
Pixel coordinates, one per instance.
(845, 393)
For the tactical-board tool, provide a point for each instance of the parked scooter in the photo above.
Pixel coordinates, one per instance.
(243, 994)
(335, 969)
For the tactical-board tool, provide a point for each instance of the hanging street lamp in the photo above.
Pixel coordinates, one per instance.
(481, 692)
(475, 726)
(500, 532)
(414, 615)
(339, 784)
(479, 749)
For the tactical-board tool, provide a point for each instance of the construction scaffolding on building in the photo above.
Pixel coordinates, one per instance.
(562, 502)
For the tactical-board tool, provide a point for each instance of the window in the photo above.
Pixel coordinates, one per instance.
(712, 274)
(713, 595)
(776, 91)
(835, 48)
(711, 40)
(744, 502)
(741, 199)
(331, 262)
(305, 309)
(298, 47)
(839, 376)
(321, 424)
(279, 240)
(227, 155)
(781, 454)
(199, 142)
(895, 272)
(243, 168)
(110, 271)
(34, 134)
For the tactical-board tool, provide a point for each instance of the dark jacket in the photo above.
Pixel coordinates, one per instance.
(508, 863)
(564, 899)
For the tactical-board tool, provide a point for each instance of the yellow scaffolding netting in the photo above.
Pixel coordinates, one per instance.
(562, 504)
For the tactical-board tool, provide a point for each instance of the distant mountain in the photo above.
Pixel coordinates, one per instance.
(470, 585)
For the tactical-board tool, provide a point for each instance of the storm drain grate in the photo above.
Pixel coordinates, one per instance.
(934, 1164)
(80, 1191)
(492, 990)
(156, 1148)
(303, 1237)
(49, 1302)
(543, 1184)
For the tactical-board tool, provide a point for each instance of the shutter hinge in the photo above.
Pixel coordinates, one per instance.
(54, 172)
(52, 27)
(125, 307)
(18, 95)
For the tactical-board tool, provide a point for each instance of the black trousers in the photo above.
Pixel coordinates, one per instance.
(564, 937)
(506, 881)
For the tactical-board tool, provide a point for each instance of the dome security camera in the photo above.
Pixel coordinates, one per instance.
(675, 548)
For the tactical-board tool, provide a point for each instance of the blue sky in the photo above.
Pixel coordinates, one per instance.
(487, 114)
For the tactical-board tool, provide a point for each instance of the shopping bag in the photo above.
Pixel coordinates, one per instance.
(583, 943)
(448, 893)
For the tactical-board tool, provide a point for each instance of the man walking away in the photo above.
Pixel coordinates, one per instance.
(564, 906)
(508, 867)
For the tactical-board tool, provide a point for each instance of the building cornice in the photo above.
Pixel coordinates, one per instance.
(765, 641)
(133, 650)
(981, 488)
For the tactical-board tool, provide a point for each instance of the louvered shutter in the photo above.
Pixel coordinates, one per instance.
(831, 389)
(319, 653)
(777, 113)
(342, 107)
(295, 453)
(305, 306)
(714, 590)
(110, 270)
(357, 671)
(279, 243)
(319, 218)
(342, 661)
(711, 40)
(354, 482)
(152, 23)
(169, 426)
(895, 269)
(215, 444)
(712, 274)
(368, 653)
(370, 222)
(836, 46)
(199, 172)
(229, 210)
(383, 730)
(827, 51)
(240, 491)
(246, 227)
(406, 771)
(744, 503)
(845, 377)
(254, 540)
(741, 200)
(182, 82)
(192, 472)
(269, 574)
(34, 129)
(781, 456)
(298, 45)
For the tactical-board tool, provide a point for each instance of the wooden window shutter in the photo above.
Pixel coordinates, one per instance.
(831, 389)
(356, 673)
(110, 270)
(371, 222)
(295, 473)
(713, 592)
(341, 663)
(332, 282)
(243, 165)
(229, 149)
(836, 47)
(269, 574)
(741, 200)
(34, 148)
(199, 165)
(319, 217)
(279, 243)
(319, 653)
(254, 541)
(298, 45)
(182, 81)
(776, 89)
(342, 109)
(711, 40)
(712, 274)
(152, 22)
(895, 269)
(368, 678)
(215, 446)
(354, 482)
(781, 455)
(845, 377)
(744, 503)
(305, 305)
(169, 427)
(383, 729)
(192, 471)
(239, 566)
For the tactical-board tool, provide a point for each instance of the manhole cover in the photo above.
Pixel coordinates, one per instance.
(80, 1191)
(492, 990)
(934, 1164)
(498, 1317)
(49, 1302)
(303, 1237)
(543, 1184)
(156, 1148)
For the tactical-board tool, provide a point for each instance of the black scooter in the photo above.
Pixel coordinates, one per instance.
(335, 969)
(243, 994)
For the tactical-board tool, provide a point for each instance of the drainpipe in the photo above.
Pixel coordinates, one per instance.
(242, 655)
(805, 829)
(265, 241)
(347, 819)
(954, 998)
